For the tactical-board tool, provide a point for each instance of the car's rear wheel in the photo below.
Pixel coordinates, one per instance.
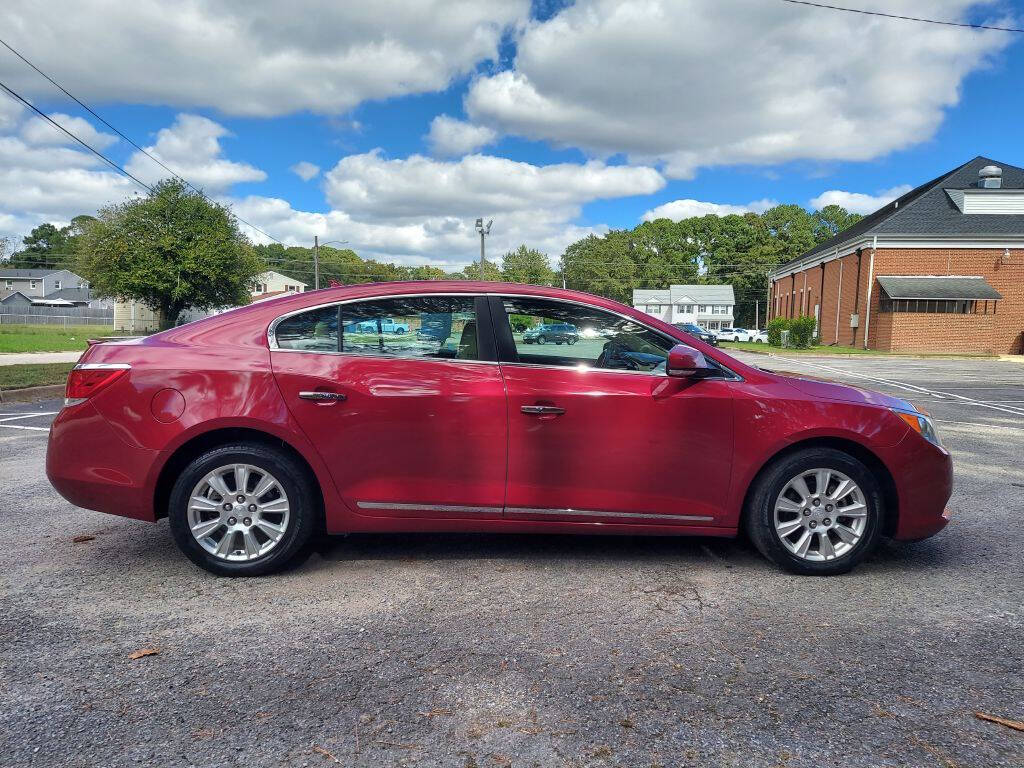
(542, 340)
(243, 510)
(818, 511)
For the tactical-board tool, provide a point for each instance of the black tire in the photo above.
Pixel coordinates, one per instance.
(304, 519)
(760, 523)
(542, 340)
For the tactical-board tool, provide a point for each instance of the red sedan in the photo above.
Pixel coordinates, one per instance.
(420, 407)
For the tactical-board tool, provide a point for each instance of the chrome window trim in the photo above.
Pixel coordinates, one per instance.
(272, 337)
(372, 356)
(733, 376)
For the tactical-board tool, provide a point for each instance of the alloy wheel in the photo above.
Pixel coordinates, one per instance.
(238, 512)
(821, 514)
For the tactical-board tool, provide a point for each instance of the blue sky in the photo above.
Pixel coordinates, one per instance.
(556, 119)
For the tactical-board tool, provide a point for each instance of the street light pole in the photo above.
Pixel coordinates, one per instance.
(484, 231)
(316, 262)
(316, 257)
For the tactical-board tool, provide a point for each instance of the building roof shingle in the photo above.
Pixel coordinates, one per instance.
(929, 210)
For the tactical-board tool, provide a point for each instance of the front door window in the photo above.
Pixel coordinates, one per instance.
(547, 332)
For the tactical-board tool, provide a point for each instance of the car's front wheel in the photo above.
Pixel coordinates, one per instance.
(243, 510)
(818, 511)
(542, 340)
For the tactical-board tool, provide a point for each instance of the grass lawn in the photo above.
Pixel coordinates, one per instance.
(754, 347)
(33, 374)
(49, 338)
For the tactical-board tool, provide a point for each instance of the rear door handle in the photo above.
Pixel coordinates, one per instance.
(542, 410)
(323, 397)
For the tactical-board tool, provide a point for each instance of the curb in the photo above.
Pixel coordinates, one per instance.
(28, 394)
(876, 355)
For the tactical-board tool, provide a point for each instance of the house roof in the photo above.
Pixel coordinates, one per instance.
(696, 294)
(269, 275)
(929, 210)
(12, 295)
(937, 287)
(23, 273)
(70, 294)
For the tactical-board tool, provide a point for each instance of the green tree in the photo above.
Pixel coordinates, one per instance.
(172, 250)
(47, 247)
(831, 220)
(492, 273)
(527, 265)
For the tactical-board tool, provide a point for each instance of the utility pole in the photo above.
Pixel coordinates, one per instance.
(484, 231)
(757, 314)
(316, 262)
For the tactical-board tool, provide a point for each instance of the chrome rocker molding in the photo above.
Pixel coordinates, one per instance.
(526, 511)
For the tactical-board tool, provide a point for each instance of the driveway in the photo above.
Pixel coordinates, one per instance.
(457, 650)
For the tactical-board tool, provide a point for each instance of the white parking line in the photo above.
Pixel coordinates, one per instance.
(16, 416)
(979, 424)
(909, 387)
(22, 426)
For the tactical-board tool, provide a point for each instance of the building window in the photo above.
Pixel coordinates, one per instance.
(685, 309)
(704, 309)
(654, 307)
(932, 306)
(721, 309)
(56, 285)
(9, 284)
(33, 284)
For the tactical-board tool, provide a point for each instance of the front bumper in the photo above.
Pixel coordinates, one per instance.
(92, 467)
(923, 475)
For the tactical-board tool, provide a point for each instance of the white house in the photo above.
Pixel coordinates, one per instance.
(710, 306)
(274, 283)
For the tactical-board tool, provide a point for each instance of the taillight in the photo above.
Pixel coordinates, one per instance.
(86, 379)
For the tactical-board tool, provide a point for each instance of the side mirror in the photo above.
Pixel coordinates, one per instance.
(685, 362)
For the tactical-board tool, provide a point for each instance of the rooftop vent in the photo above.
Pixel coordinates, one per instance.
(990, 177)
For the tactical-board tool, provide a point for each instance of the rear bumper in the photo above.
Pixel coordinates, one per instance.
(92, 467)
(923, 474)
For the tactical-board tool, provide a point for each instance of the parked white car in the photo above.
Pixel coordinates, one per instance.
(760, 337)
(734, 334)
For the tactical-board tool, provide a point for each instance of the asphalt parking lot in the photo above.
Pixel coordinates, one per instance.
(529, 651)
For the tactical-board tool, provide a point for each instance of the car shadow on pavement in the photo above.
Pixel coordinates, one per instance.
(532, 548)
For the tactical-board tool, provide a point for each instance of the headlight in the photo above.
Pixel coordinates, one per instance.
(922, 424)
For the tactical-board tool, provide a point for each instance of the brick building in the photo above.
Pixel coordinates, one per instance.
(941, 269)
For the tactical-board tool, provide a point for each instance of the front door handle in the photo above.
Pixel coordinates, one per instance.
(542, 410)
(323, 397)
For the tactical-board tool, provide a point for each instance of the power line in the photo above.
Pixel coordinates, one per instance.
(903, 18)
(88, 109)
(92, 149)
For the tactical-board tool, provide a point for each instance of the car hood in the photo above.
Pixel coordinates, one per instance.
(831, 390)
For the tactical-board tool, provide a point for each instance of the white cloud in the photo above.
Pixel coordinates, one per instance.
(451, 137)
(445, 241)
(857, 202)
(305, 170)
(253, 58)
(689, 83)
(416, 210)
(477, 185)
(191, 148)
(677, 210)
(39, 131)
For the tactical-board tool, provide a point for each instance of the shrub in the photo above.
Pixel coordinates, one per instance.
(775, 328)
(801, 331)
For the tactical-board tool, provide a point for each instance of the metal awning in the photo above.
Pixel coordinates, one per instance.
(937, 287)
